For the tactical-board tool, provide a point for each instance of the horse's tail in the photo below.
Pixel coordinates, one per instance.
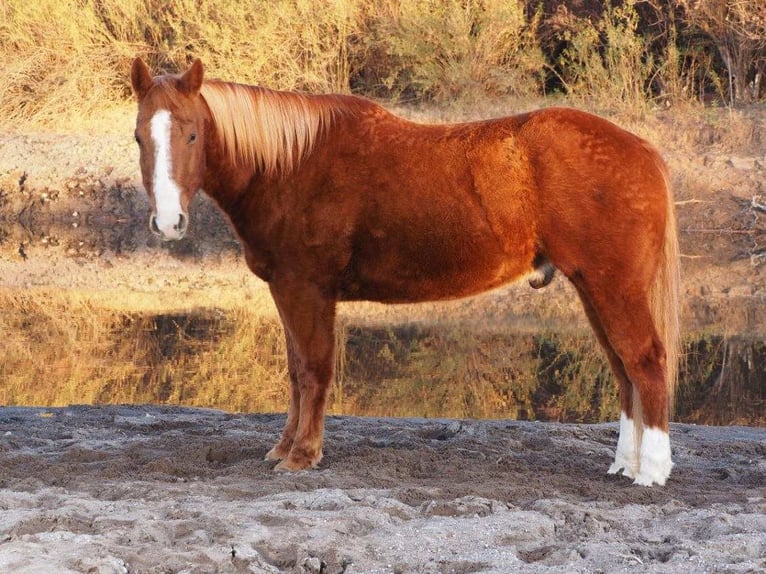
(664, 301)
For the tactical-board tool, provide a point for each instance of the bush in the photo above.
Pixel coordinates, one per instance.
(72, 57)
(607, 60)
(448, 49)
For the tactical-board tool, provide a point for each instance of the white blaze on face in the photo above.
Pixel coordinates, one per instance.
(167, 194)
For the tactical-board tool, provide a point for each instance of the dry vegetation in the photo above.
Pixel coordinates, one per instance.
(61, 349)
(86, 353)
(70, 58)
(234, 358)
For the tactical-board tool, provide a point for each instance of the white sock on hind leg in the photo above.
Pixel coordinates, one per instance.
(625, 458)
(655, 460)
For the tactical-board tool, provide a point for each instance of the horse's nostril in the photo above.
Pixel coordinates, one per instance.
(183, 221)
(153, 225)
(177, 231)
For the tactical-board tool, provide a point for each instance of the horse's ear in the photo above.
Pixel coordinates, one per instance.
(191, 81)
(141, 78)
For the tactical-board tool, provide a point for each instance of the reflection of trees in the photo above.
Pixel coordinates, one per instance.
(725, 381)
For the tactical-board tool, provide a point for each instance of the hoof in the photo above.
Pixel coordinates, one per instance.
(626, 458)
(656, 462)
(650, 475)
(648, 480)
(290, 466)
(617, 467)
(286, 466)
(277, 453)
(296, 462)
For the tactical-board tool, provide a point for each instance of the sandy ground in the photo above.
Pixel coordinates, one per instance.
(158, 490)
(168, 490)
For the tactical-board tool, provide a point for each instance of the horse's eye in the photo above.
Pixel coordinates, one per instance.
(138, 139)
(192, 138)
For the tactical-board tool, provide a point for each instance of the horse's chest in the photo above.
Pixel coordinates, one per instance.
(260, 263)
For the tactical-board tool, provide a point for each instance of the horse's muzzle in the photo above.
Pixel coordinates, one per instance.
(174, 231)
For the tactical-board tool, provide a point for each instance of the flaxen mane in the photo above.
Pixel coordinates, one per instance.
(268, 129)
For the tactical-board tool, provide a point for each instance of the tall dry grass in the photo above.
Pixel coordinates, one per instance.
(607, 61)
(65, 348)
(424, 49)
(69, 59)
(62, 57)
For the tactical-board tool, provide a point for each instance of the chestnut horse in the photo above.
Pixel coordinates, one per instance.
(336, 199)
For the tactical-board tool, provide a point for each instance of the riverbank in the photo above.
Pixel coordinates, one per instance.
(165, 489)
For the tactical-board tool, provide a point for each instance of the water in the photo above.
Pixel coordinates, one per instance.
(235, 361)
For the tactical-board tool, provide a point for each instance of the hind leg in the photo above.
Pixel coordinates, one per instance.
(635, 340)
(627, 323)
(626, 455)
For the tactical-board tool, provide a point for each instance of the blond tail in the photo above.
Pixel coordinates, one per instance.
(665, 296)
(664, 302)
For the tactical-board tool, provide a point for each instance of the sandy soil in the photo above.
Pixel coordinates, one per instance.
(160, 490)
(155, 490)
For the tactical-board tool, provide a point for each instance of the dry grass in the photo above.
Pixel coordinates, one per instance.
(438, 370)
(453, 50)
(71, 58)
(610, 74)
(56, 61)
(66, 349)
(67, 61)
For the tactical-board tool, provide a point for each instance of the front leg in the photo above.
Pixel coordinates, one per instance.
(282, 449)
(308, 319)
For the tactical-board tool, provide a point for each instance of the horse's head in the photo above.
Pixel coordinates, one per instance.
(170, 131)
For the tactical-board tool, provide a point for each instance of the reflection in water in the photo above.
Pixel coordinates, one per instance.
(234, 360)
(724, 382)
(106, 220)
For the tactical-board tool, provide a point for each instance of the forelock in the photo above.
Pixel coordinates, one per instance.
(164, 95)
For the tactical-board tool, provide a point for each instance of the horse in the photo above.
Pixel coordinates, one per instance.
(336, 199)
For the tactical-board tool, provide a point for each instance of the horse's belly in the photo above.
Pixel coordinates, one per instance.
(428, 281)
(444, 246)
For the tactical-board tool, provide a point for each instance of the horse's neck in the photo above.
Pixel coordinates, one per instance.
(227, 178)
(224, 181)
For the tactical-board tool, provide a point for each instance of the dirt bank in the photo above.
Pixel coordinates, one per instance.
(155, 490)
